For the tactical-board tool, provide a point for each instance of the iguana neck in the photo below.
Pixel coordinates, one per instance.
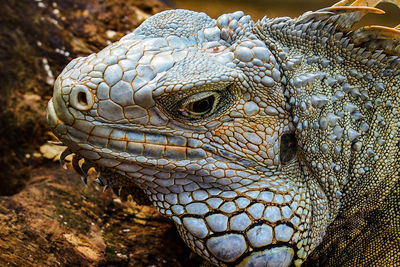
(336, 101)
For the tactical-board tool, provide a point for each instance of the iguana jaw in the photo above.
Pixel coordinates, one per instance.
(175, 174)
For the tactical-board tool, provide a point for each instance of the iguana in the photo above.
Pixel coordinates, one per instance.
(268, 143)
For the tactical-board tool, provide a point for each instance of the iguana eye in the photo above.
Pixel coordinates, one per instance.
(200, 105)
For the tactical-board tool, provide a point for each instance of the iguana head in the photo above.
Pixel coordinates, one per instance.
(193, 111)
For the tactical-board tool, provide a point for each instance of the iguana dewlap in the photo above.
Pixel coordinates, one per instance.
(263, 141)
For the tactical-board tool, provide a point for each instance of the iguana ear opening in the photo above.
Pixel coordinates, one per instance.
(288, 148)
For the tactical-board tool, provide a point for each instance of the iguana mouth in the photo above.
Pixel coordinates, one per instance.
(133, 143)
(130, 142)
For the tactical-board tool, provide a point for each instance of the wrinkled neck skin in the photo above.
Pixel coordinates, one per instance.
(344, 108)
(230, 178)
(219, 206)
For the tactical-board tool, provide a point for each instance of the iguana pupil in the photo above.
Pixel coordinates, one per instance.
(202, 106)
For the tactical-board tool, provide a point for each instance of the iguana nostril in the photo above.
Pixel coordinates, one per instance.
(81, 98)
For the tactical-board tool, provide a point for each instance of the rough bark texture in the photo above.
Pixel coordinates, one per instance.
(47, 217)
(56, 221)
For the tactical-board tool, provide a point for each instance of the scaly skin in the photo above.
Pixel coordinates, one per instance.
(260, 140)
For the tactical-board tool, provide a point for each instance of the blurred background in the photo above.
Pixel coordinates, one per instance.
(278, 8)
(256, 8)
